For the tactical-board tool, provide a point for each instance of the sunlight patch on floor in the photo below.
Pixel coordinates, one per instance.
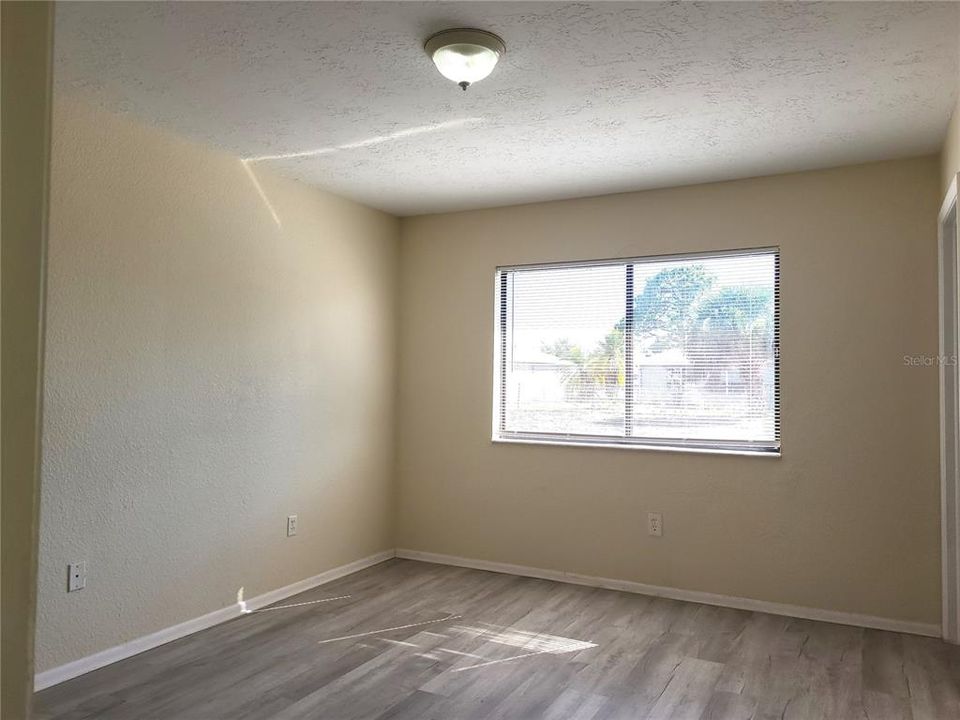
(534, 643)
(301, 604)
(389, 629)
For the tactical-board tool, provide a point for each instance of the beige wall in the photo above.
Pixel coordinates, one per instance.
(210, 370)
(950, 156)
(220, 356)
(26, 51)
(846, 520)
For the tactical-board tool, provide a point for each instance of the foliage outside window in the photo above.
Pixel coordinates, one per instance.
(676, 351)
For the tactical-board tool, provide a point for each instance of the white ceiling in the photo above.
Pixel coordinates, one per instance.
(589, 99)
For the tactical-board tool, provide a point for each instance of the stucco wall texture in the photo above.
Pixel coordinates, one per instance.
(225, 349)
(213, 364)
(950, 156)
(846, 519)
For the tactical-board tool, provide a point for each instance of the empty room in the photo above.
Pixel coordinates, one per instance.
(480, 360)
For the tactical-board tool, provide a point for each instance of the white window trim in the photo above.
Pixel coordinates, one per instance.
(606, 444)
(698, 446)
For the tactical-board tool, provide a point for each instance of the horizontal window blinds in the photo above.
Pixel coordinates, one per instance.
(670, 350)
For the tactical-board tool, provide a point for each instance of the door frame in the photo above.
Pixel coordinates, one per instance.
(949, 302)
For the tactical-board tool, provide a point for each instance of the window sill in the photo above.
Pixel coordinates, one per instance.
(637, 446)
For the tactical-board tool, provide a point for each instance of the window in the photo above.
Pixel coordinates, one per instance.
(677, 351)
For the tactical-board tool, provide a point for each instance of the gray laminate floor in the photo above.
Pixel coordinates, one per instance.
(412, 640)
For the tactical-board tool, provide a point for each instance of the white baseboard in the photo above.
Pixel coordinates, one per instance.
(70, 670)
(774, 608)
(98, 660)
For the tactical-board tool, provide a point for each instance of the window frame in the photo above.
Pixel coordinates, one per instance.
(760, 448)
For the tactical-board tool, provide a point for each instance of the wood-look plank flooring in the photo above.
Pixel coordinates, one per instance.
(427, 642)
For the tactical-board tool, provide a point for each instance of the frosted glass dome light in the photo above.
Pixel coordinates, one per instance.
(464, 55)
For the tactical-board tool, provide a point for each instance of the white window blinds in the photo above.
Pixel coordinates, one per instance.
(677, 351)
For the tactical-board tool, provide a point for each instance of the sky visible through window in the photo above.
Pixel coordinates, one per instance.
(703, 351)
(549, 306)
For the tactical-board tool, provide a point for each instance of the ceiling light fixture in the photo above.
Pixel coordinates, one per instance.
(464, 55)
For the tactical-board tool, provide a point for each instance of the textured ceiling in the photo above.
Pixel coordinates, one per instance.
(589, 99)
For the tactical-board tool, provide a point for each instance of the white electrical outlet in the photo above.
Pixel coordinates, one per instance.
(291, 525)
(654, 524)
(76, 576)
